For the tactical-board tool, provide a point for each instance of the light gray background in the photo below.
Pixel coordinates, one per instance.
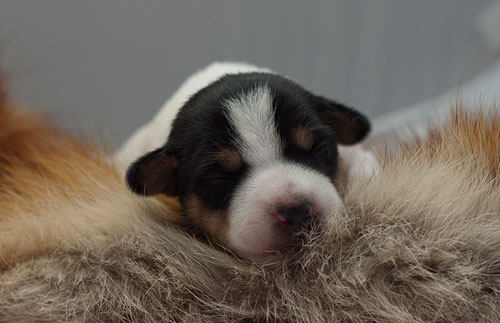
(106, 66)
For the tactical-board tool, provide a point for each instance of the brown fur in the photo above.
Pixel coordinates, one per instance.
(303, 138)
(339, 179)
(229, 159)
(418, 243)
(213, 223)
(45, 178)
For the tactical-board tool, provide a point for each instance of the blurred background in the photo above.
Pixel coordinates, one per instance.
(108, 66)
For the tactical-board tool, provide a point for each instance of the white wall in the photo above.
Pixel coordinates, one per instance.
(108, 65)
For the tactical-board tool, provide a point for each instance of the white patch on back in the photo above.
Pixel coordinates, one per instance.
(359, 163)
(252, 117)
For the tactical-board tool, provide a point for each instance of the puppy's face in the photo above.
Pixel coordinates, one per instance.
(253, 158)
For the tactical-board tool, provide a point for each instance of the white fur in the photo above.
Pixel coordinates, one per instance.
(358, 162)
(252, 117)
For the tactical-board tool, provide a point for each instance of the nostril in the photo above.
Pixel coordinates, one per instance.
(296, 214)
(308, 211)
(284, 220)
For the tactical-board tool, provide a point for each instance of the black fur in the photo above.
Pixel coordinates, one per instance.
(201, 129)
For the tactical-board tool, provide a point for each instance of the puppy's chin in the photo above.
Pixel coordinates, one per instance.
(255, 230)
(274, 244)
(262, 241)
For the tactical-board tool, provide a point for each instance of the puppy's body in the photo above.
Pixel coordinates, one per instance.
(252, 155)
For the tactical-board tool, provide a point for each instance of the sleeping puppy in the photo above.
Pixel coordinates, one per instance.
(252, 156)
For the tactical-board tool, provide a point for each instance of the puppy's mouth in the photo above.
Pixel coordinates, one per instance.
(279, 238)
(288, 237)
(285, 226)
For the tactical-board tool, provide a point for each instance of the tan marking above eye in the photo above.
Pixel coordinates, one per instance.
(304, 138)
(229, 159)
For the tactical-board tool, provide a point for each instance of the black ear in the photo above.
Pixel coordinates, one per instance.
(349, 125)
(154, 173)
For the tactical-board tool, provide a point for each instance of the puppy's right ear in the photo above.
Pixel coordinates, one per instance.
(349, 125)
(154, 173)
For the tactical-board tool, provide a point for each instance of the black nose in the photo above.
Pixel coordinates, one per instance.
(294, 216)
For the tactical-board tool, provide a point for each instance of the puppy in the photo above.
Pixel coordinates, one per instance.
(252, 156)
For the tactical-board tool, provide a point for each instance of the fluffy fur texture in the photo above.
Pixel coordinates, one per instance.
(419, 242)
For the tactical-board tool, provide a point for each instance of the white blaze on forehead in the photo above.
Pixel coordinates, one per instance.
(252, 117)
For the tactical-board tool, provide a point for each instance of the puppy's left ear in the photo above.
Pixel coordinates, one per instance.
(350, 126)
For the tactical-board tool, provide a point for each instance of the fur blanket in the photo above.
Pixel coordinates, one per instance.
(418, 243)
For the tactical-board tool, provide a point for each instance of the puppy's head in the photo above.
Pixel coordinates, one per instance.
(253, 158)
